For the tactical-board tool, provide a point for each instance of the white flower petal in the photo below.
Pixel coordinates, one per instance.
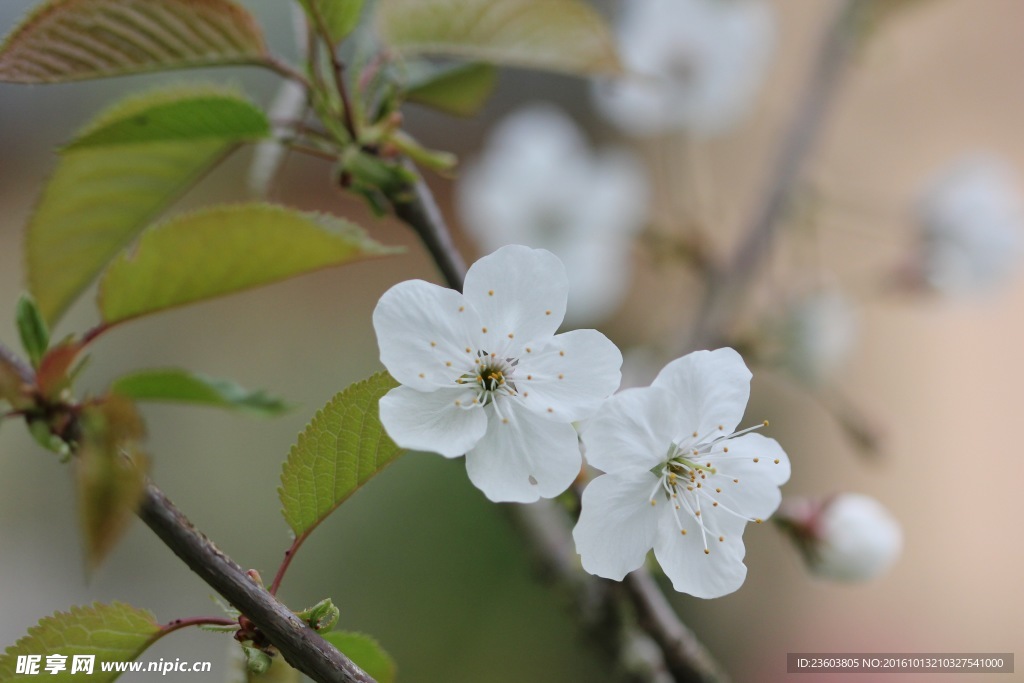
(711, 387)
(858, 539)
(426, 334)
(568, 377)
(760, 465)
(718, 572)
(523, 457)
(431, 421)
(632, 430)
(617, 523)
(520, 295)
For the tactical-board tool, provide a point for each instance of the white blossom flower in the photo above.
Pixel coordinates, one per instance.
(483, 373)
(538, 183)
(818, 334)
(848, 537)
(972, 224)
(678, 478)
(693, 64)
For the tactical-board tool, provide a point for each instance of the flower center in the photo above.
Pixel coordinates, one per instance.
(492, 376)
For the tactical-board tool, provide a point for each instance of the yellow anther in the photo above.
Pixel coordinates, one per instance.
(447, 363)
(504, 420)
(529, 377)
(721, 428)
(653, 502)
(682, 532)
(706, 551)
(490, 292)
(697, 513)
(718, 490)
(551, 410)
(715, 504)
(484, 330)
(433, 344)
(758, 520)
(548, 312)
(765, 423)
(529, 350)
(776, 461)
(695, 435)
(458, 402)
(689, 488)
(735, 481)
(725, 449)
(422, 375)
(561, 353)
(511, 336)
(525, 394)
(721, 539)
(757, 459)
(561, 376)
(469, 350)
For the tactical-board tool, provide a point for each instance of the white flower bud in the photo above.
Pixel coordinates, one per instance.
(847, 537)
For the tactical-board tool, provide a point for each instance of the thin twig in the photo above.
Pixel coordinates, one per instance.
(417, 208)
(285, 70)
(337, 70)
(301, 646)
(178, 624)
(726, 289)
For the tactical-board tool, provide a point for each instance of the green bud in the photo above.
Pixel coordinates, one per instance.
(322, 616)
(256, 661)
(35, 336)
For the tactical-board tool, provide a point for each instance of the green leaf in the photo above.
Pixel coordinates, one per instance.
(225, 249)
(557, 35)
(366, 652)
(461, 89)
(341, 449)
(181, 386)
(71, 40)
(110, 474)
(339, 16)
(119, 173)
(113, 632)
(35, 337)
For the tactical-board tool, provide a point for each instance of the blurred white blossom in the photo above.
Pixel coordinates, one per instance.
(818, 335)
(848, 537)
(971, 220)
(483, 373)
(693, 65)
(678, 477)
(538, 183)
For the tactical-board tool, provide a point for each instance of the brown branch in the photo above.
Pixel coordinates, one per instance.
(726, 288)
(301, 646)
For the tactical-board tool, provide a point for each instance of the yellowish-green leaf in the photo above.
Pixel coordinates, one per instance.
(120, 172)
(459, 90)
(70, 40)
(113, 632)
(339, 16)
(557, 35)
(180, 386)
(110, 474)
(366, 652)
(341, 449)
(225, 249)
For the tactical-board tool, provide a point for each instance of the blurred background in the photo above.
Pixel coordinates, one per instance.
(418, 558)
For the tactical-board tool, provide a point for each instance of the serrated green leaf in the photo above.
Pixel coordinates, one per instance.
(341, 449)
(461, 89)
(339, 16)
(113, 632)
(119, 173)
(70, 40)
(110, 474)
(225, 249)
(35, 337)
(557, 35)
(366, 652)
(180, 386)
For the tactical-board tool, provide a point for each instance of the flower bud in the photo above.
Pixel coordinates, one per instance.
(846, 537)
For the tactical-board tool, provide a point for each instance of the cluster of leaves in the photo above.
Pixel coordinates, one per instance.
(100, 218)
